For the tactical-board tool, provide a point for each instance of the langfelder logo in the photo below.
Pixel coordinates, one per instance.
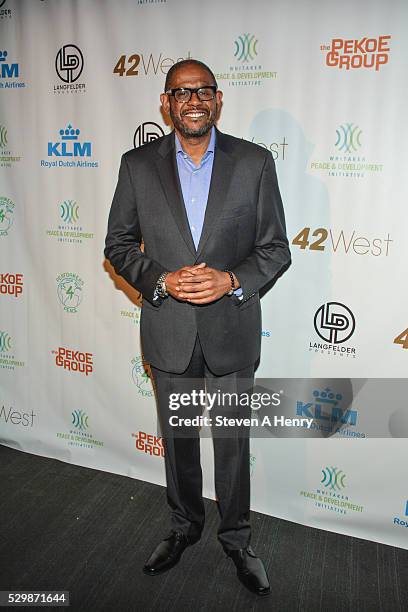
(334, 322)
(69, 63)
(147, 132)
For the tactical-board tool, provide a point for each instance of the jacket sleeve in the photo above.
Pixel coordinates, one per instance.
(271, 253)
(123, 239)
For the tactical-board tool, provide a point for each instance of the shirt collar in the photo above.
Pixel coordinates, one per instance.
(210, 148)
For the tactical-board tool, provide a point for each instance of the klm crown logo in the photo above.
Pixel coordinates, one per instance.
(333, 478)
(7, 70)
(348, 138)
(245, 48)
(69, 145)
(325, 407)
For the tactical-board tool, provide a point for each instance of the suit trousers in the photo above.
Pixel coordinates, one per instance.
(182, 449)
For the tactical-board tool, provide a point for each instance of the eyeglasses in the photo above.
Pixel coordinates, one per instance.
(183, 94)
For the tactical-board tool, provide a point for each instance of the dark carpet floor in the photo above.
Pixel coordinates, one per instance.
(64, 527)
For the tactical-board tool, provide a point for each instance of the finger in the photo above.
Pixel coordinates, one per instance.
(195, 287)
(194, 295)
(196, 279)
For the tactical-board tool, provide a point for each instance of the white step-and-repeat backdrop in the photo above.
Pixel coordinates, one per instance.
(323, 86)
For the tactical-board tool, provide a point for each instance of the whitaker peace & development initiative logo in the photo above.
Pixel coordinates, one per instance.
(330, 495)
(69, 63)
(69, 230)
(8, 360)
(245, 69)
(79, 435)
(6, 156)
(69, 290)
(347, 159)
(76, 153)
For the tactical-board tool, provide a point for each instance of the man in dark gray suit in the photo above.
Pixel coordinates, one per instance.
(208, 209)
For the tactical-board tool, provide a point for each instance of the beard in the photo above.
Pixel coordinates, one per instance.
(193, 132)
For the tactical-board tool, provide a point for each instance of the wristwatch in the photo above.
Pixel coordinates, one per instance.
(161, 285)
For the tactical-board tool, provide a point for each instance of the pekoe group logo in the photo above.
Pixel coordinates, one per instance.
(147, 132)
(357, 53)
(69, 64)
(144, 64)
(79, 435)
(7, 158)
(9, 72)
(245, 69)
(69, 291)
(69, 229)
(69, 151)
(11, 284)
(347, 158)
(334, 323)
(149, 444)
(6, 215)
(330, 495)
(73, 360)
(341, 242)
(402, 522)
(8, 360)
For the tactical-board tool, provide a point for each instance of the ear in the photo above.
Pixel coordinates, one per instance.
(164, 99)
(218, 96)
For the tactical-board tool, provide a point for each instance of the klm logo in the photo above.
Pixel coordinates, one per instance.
(7, 71)
(69, 146)
(325, 407)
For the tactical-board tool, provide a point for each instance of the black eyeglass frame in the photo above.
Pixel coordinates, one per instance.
(172, 92)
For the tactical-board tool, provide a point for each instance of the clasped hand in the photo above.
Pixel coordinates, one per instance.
(198, 284)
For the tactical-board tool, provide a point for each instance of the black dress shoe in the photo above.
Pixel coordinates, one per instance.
(250, 570)
(167, 554)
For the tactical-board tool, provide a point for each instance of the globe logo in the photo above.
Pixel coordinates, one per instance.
(69, 290)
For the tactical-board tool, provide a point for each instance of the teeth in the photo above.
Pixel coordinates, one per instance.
(195, 115)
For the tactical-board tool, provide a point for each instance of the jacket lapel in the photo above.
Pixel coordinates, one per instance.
(167, 168)
(220, 181)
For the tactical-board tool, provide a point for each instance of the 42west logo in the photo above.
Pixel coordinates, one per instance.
(402, 339)
(138, 64)
(326, 239)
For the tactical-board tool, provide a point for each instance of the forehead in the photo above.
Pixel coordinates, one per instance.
(190, 76)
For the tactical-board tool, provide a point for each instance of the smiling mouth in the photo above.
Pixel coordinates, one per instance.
(195, 114)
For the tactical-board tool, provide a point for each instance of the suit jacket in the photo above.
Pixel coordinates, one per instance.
(244, 231)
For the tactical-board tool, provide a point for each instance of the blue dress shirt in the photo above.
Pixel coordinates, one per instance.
(195, 186)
